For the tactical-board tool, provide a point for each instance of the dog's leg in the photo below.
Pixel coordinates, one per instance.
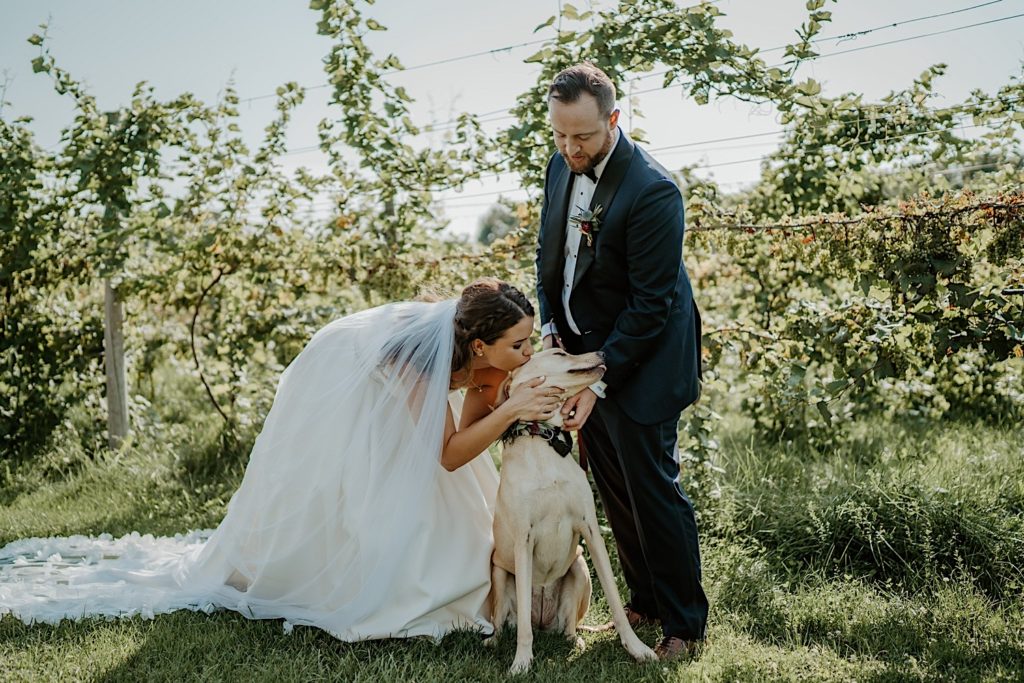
(524, 601)
(574, 599)
(603, 567)
(501, 605)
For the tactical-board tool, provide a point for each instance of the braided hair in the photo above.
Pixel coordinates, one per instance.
(487, 308)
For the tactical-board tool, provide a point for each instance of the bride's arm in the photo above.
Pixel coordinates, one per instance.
(482, 425)
(462, 445)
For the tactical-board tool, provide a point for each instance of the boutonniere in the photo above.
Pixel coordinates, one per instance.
(588, 223)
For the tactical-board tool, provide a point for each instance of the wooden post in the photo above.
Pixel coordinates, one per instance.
(113, 359)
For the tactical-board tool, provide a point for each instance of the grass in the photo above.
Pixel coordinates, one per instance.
(896, 557)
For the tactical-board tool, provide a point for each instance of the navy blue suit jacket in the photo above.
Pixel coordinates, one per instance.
(631, 296)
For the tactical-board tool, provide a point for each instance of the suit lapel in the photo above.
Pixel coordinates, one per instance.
(605, 191)
(554, 231)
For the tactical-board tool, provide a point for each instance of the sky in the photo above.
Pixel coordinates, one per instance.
(199, 46)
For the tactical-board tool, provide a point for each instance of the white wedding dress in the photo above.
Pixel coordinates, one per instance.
(345, 519)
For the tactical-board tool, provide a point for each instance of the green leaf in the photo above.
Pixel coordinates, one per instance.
(547, 23)
(822, 407)
(835, 386)
(570, 12)
(35, 39)
(375, 25)
(37, 65)
(809, 87)
(865, 283)
(885, 369)
(539, 56)
(815, 4)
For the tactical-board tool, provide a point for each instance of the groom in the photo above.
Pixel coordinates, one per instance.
(610, 278)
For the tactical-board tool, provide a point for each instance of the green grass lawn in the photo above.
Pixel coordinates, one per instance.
(898, 556)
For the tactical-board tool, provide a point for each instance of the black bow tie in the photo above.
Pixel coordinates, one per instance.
(590, 174)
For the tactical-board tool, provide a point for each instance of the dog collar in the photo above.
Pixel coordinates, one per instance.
(559, 439)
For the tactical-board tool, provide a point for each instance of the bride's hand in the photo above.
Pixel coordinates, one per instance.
(531, 402)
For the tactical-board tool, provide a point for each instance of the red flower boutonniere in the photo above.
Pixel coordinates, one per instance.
(588, 223)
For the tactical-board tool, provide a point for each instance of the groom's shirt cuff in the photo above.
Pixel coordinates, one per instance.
(548, 329)
(598, 388)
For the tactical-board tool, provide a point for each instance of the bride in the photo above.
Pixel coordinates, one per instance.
(365, 508)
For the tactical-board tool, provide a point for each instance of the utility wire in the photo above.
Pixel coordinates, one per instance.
(473, 55)
(845, 36)
(449, 200)
(878, 119)
(845, 52)
(893, 171)
(435, 125)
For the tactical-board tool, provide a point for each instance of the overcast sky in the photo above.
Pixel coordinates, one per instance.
(197, 46)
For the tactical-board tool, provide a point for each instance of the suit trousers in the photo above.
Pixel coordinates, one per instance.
(652, 519)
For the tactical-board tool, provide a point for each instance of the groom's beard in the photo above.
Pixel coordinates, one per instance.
(591, 162)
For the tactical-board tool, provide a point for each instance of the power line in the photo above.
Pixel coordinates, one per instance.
(440, 125)
(924, 164)
(472, 55)
(491, 193)
(844, 52)
(882, 118)
(437, 125)
(780, 131)
(922, 35)
(855, 34)
(695, 143)
(893, 171)
(738, 161)
(698, 168)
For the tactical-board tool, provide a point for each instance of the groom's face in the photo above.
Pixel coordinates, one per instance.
(582, 134)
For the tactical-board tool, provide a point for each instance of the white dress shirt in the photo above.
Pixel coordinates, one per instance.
(579, 201)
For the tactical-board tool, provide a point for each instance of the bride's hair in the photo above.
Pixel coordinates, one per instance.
(486, 309)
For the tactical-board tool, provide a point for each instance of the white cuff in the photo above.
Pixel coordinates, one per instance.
(548, 329)
(598, 388)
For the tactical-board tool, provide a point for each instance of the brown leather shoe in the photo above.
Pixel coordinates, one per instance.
(636, 619)
(671, 648)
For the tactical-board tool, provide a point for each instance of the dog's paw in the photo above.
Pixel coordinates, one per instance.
(521, 664)
(643, 653)
(491, 641)
(578, 643)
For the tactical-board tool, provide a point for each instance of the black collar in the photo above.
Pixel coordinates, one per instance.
(558, 438)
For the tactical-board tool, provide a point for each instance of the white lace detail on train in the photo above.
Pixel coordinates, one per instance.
(344, 520)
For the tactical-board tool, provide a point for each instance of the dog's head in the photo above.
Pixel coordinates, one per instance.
(572, 374)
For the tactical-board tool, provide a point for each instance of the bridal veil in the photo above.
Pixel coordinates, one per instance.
(344, 519)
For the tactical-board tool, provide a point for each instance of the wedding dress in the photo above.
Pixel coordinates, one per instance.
(344, 520)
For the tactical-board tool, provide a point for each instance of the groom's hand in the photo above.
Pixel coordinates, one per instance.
(577, 409)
